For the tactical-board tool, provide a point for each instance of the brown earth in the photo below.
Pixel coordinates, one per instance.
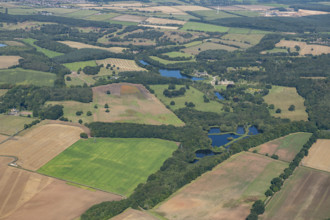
(41, 144)
(318, 155)
(226, 192)
(28, 195)
(305, 195)
(132, 214)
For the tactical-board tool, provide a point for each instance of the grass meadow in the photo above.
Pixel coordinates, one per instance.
(48, 53)
(112, 164)
(163, 61)
(77, 65)
(196, 26)
(24, 77)
(191, 95)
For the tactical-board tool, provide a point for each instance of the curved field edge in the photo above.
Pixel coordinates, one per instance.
(112, 164)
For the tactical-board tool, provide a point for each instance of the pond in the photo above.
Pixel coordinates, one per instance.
(220, 97)
(3, 45)
(214, 131)
(219, 140)
(144, 62)
(204, 153)
(240, 130)
(253, 130)
(176, 74)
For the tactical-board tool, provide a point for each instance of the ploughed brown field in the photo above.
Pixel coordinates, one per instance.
(28, 195)
(318, 155)
(305, 195)
(40, 144)
(132, 214)
(226, 192)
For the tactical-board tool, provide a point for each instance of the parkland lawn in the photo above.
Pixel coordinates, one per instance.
(113, 164)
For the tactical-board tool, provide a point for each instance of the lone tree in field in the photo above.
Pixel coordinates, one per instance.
(106, 106)
(89, 113)
(108, 92)
(278, 111)
(83, 135)
(292, 108)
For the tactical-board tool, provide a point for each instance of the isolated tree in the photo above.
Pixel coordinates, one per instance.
(106, 106)
(107, 111)
(95, 106)
(172, 103)
(83, 135)
(108, 92)
(68, 78)
(80, 121)
(278, 111)
(292, 108)
(89, 113)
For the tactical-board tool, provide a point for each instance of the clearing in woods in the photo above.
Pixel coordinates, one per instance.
(79, 45)
(318, 155)
(192, 95)
(10, 124)
(8, 61)
(285, 148)
(282, 97)
(113, 164)
(304, 47)
(127, 103)
(228, 190)
(194, 50)
(305, 195)
(28, 195)
(40, 144)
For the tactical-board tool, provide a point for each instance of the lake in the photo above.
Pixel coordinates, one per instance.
(219, 140)
(3, 45)
(176, 74)
(144, 62)
(220, 97)
(253, 130)
(214, 131)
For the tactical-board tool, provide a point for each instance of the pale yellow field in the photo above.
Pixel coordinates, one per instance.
(191, 8)
(303, 12)
(8, 61)
(318, 155)
(123, 64)
(158, 26)
(41, 144)
(163, 21)
(79, 45)
(129, 18)
(282, 98)
(304, 48)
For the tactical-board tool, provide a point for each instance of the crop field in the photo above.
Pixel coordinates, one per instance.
(79, 45)
(112, 164)
(133, 214)
(305, 195)
(101, 16)
(285, 148)
(127, 103)
(81, 14)
(163, 21)
(194, 50)
(41, 144)
(9, 124)
(28, 195)
(304, 48)
(122, 64)
(3, 137)
(177, 54)
(163, 61)
(213, 14)
(191, 95)
(251, 39)
(129, 18)
(228, 190)
(204, 27)
(282, 97)
(77, 65)
(24, 77)
(162, 9)
(318, 155)
(191, 8)
(8, 61)
(48, 53)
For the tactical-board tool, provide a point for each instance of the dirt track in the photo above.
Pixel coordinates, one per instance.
(28, 195)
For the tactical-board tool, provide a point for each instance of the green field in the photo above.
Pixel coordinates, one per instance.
(177, 54)
(191, 95)
(112, 164)
(77, 65)
(48, 53)
(193, 43)
(252, 39)
(163, 61)
(9, 124)
(24, 77)
(101, 17)
(204, 27)
(282, 97)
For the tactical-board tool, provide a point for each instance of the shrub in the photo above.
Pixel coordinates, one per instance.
(89, 113)
(274, 156)
(83, 135)
(78, 113)
(278, 111)
(80, 121)
(292, 108)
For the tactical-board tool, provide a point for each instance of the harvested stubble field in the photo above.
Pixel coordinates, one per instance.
(226, 192)
(252, 39)
(8, 61)
(113, 164)
(9, 124)
(191, 95)
(191, 8)
(163, 21)
(194, 50)
(132, 214)
(129, 18)
(282, 97)
(3, 137)
(305, 48)
(305, 195)
(123, 64)
(318, 155)
(79, 45)
(28, 195)
(285, 148)
(40, 144)
(127, 103)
